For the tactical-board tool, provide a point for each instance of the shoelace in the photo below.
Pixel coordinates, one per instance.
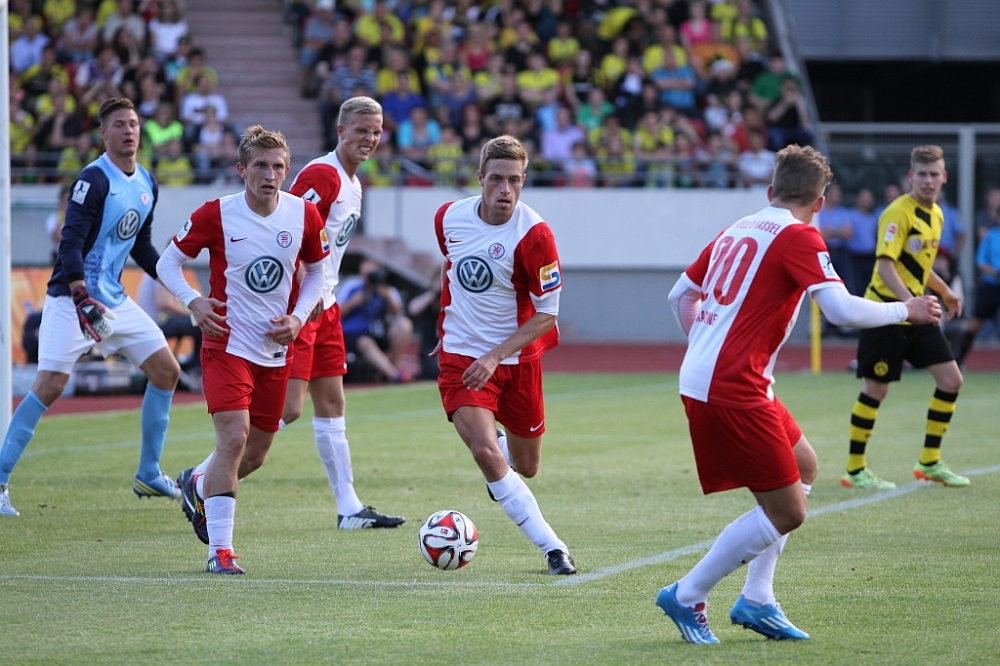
(701, 618)
(226, 558)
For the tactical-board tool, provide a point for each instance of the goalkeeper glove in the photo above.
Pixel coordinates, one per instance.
(93, 317)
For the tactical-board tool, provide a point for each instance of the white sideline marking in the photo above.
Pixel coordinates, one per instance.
(263, 581)
(812, 513)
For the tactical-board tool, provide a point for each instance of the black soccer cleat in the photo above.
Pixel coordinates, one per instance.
(193, 507)
(368, 518)
(560, 563)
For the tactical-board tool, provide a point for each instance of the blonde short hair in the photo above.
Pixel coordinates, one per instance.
(502, 148)
(800, 175)
(256, 137)
(358, 106)
(926, 155)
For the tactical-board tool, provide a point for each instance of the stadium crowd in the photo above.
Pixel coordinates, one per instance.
(655, 93)
(68, 56)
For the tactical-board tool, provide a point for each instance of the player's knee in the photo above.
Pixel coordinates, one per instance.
(790, 519)
(951, 384)
(527, 469)
(254, 460)
(291, 414)
(49, 386)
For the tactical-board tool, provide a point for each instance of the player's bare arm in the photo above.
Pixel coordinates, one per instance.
(476, 376)
(887, 271)
(951, 300)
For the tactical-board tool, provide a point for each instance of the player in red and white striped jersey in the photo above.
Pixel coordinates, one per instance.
(499, 304)
(256, 241)
(737, 304)
(319, 361)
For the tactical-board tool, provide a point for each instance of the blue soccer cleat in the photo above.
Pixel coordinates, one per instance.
(161, 486)
(767, 620)
(691, 622)
(222, 563)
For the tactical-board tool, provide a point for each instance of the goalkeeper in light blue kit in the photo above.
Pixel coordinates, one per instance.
(108, 218)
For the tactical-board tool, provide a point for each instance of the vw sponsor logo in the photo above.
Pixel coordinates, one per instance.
(128, 226)
(264, 274)
(345, 231)
(474, 274)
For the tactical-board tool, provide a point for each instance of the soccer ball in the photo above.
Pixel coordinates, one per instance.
(448, 539)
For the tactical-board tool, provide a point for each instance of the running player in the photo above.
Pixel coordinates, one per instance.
(736, 303)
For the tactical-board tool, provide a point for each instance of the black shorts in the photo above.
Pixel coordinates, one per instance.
(351, 341)
(987, 301)
(881, 351)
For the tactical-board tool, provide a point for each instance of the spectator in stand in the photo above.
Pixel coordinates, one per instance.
(751, 64)
(580, 168)
(128, 52)
(396, 62)
(20, 12)
(446, 158)
(613, 65)
(591, 116)
(716, 161)
(368, 28)
(988, 217)
(685, 165)
(433, 20)
(489, 82)
(55, 14)
(126, 18)
(652, 57)
(952, 239)
(788, 118)
(461, 94)
(74, 158)
(628, 93)
(34, 81)
(611, 127)
(44, 106)
(697, 29)
(175, 64)
(396, 104)
(161, 129)
(26, 50)
(535, 80)
(751, 120)
(744, 24)
(863, 241)
(545, 115)
(526, 42)
(507, 107)
(174, 168)
(22, 133)
(341, 86)
(194, 103)
(212, 150)
(835, 226)
(372, 319)
(987, 290)
(557, 143)
(766, 89)
(316, 35)
(579, 81)
(722, 79)
(890, 193)
(151, 94)
(79, 36)
(334, 54)
(187, 77)
(101, 69)
(756, 164)
(478, 48)
(653, 143)
(676, 85)
(616, 163)
(417, 134)
(563, 48)
(471, 128)
(707, 53)
(166, 30)
(440, 75)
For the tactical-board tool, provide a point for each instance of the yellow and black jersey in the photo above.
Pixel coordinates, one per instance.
(908, 234)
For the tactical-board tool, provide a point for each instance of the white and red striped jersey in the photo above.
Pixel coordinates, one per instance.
(752, 279)
(253, 261)
(496, 278)
(325, 183)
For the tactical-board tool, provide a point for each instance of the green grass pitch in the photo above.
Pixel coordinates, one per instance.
(91, 575)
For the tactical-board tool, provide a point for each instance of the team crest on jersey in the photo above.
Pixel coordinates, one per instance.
(347, 230)
(264, 274)
(474, 274)
(826, 265)
(312, 196)
(549, 276)
(914, 245)
(497, 250)
(890, 233)
(184, 231)
(128, 225)
(284, 238)
(144, 198)
(80, 191)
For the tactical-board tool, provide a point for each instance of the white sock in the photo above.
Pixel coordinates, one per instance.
(281, 424)
(331, 443)
(519, 504)
(199, 484)
(743, 539)
(220, 512)
(502, 441)
(759, 587)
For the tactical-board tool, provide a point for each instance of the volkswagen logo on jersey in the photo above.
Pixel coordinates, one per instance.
(497, 250)
(474, 274)
(284, 238)
(347, 230)
(264, 274)
(128, 226)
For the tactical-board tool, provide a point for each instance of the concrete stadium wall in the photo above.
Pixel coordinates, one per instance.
(621, 250)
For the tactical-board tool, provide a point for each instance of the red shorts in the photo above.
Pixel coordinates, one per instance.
(513, 393)
(319, 350)
(743, 448)
(235, 384)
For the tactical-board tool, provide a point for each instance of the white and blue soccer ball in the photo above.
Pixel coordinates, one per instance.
(448, 539)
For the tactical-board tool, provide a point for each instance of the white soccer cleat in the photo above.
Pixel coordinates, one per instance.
(6, 508)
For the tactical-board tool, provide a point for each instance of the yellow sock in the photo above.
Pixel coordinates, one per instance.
(938, 417)
(862, 422)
